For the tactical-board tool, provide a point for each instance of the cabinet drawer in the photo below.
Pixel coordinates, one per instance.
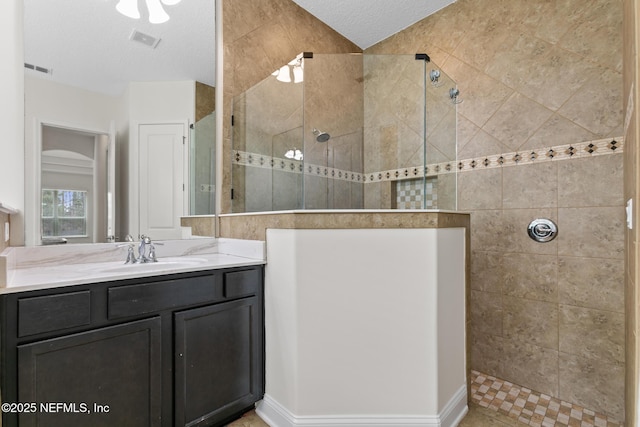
(132, 300)
(242, 283)
(53, 312)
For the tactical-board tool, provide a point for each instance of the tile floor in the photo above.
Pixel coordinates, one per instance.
(516, 405)
(499, 403)
(250, 419)
(476, 417)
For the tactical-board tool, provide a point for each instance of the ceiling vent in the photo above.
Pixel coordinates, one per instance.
(38, 68)
(145, 39)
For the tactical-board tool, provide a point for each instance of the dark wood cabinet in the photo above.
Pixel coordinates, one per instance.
(178, 350)
(216, 374)
(109, 376)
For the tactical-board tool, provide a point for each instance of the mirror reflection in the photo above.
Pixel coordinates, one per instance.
(140, 94)
(74, 186)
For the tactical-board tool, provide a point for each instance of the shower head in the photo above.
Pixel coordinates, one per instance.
(321, 136)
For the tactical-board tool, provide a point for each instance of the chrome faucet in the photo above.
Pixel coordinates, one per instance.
(142, 258)
(145, 241)
(142, 250)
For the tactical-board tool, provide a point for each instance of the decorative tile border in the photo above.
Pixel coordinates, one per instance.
(530, 407)
(526, 157)
(244, 158)
(257, 160)
(559, 152)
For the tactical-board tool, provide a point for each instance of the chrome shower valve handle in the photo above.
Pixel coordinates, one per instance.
(542, 230)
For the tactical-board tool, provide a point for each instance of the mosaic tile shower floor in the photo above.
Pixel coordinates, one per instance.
(530, 407)
(499, 403)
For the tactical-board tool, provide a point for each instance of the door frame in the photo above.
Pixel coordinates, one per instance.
(33, 180)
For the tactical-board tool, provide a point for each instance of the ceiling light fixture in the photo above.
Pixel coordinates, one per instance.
(296, 66)
(157, 14)
(128, 8)
(298, 74)
(284, 74)
(294, 154)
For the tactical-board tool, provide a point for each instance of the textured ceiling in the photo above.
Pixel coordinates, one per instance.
(367, 22)
(86, 42)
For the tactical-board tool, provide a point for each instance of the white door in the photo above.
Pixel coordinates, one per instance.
(161, 180)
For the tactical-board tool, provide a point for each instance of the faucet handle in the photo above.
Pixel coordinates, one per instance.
(131, 258)
(152, 253)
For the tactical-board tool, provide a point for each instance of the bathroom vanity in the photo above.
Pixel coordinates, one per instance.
(178, 349)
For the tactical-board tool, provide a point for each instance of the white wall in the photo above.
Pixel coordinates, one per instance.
(365, 327)
(52, 101)
(152, 102)
(11, 114)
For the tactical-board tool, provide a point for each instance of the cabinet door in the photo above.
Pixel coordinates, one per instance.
(218, 361)
(104, 377)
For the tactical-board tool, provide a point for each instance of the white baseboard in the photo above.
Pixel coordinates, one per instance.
(455, 409)
(276, 415)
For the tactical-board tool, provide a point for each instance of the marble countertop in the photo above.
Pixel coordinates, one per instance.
(51, 267)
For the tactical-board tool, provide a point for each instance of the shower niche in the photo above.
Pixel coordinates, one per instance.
(346, 131)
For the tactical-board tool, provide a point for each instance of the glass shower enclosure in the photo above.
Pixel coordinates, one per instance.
(346, 131)
(202, 160)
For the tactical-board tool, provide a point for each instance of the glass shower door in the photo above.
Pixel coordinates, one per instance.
(333, 131)
(268, 146)
(202, 166)
(394, 143)
(346, 131)
(441, 142)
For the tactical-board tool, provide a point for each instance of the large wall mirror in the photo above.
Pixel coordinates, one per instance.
(119, 118)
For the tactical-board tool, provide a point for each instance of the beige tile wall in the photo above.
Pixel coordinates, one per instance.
(631, 84)
(550, 316)
(205, 100)
(259, 36)
(536, 74)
